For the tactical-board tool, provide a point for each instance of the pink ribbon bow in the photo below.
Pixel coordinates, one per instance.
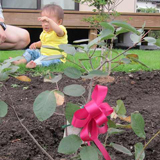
(92, 117)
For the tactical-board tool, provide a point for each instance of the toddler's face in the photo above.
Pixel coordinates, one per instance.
(45, 24)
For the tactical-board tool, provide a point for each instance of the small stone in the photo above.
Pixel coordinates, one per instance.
(130, 75)
(133, 82)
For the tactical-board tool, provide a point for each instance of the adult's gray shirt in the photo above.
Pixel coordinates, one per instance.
(1, 14)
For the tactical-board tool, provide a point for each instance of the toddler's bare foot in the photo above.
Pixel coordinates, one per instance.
(15, 62)
(31, 64)
(19, 61)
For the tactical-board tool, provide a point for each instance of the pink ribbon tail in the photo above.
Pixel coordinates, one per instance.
(93, 119)
(102, 149)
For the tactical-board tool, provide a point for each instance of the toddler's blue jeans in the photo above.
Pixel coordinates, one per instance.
(37, 57)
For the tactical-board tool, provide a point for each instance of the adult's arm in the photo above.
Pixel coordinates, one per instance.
(2, 32)
(1, 14)
(13, 37)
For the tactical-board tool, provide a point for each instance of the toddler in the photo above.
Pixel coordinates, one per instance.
(53, 34)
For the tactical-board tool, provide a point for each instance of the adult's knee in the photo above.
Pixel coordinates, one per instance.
(22, 39)
(25, 39)
(17, 38)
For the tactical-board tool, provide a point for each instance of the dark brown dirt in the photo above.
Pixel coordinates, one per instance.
(139, 91)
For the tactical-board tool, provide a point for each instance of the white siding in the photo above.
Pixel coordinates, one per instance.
(125, 6)
(147, 5)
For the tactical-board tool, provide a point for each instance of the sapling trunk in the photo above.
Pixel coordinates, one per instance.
(90, 90)
(110, 57)
(102, 54)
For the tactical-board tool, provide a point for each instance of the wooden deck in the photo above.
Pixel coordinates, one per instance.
(73, 19)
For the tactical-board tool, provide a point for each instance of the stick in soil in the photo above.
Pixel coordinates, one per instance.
(12, 106)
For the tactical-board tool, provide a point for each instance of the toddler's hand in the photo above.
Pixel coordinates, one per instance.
(32, 46)
(44, 18)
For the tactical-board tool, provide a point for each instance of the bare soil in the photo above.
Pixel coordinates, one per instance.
(140, 92)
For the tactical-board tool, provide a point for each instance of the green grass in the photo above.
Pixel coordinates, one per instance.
(151, 58)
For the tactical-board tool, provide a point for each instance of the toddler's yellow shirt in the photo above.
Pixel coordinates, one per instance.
(51, 39)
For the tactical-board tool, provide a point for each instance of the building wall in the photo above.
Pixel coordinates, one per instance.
(65, 4)
(32, 4)
(125, 6)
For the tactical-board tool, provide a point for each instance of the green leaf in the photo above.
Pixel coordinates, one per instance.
(83, 47)
(96, 148)
(137, 61)
(3, 76)
(110, 36)
(72, 72)
(106, 34)
(102, 44)
(88, 153)
(138, 149)
(128, 126)
(13, 69)
(50, 47)
(98, 73)
(125, 26)
(141, 30)
(121, 148)
(135, 38)
(137, 123)
(111, 124)
(125, 61)
(150, 40)
(74, 90)
(120, 108)
(120, 31)
(69, 144)
(95, 73)
(68, 48)
(44, 105)
(13, 59)
(80, 41)
(48, 58)
(144, 25)
(70, 110)
(107, 26)
(93, 42)
(112, 131)
(4, 66)
(3, 109)
(53, 78)
(83, 59)
(157, 42)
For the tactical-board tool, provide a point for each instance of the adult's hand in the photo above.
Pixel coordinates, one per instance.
(2, 35)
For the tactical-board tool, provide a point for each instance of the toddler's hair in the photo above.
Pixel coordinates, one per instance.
(54, 9)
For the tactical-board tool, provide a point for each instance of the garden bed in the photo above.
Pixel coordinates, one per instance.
(140, 92)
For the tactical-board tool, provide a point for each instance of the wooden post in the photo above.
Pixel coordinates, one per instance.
(93, 35)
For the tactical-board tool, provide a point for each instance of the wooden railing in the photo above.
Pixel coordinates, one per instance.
(73, 19)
